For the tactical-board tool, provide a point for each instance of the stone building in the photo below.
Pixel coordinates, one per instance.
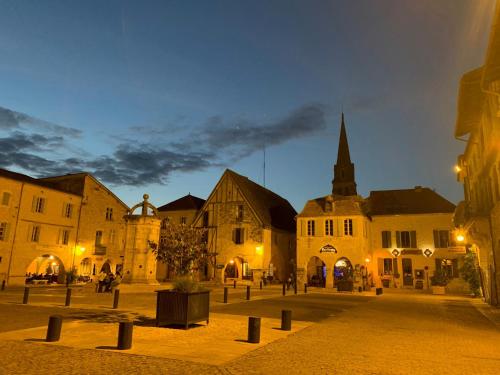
(180, 211)
(58, 223)
(394, 237)
(478, 167)
(251, 229)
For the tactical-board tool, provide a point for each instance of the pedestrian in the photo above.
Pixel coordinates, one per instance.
(116, 282)
(100, 281)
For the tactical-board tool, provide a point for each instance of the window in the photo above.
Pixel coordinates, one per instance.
(328, 227)
(311, 230)
(98, 238)
(386, 239)
(68, 210)
(448, 266)
(240, 212)
(441, 238)
(109, 214)
(238, 235)
(35, 233)
(183, 220)
(3, 232)
(64, 236)
(407, 239)
(38, 204)
(165, 222)
(328, 206)
(205, 219)
(388, 266)
(348, 227)
(5, 198)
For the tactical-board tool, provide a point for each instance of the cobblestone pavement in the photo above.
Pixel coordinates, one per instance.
(391, 334)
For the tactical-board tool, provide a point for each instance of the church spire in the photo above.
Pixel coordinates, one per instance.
(343, 181)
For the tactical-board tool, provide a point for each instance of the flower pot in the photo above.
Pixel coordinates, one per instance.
(182, 308)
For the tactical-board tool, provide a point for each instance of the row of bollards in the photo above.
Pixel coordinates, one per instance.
(254, 326)
(125, 330)
(67, 302)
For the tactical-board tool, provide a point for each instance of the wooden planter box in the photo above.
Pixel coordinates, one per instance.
(181, 307)
(436, 289)
(344, 285)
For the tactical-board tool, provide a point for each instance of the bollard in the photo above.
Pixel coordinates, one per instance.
(295, 288)
(116, 298)
(253, 330)
(379, 291)
(3, 285)
(125, 335)
(286, 320)
(248, 292)
(260, 284)
(305, 288)
(284, 288)
(225, 294)
(68, 297)
(26, 295)
(234, 284)
(54, 328)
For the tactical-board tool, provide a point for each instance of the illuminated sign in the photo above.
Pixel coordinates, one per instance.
(328, 249)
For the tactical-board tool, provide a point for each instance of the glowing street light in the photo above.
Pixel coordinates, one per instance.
(259, 250)
(457, 169)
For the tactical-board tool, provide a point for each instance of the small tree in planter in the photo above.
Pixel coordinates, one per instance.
(439, 281)
(184, 249)
(470, 273)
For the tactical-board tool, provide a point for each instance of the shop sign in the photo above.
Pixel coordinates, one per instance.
(220, 266)
(328, 249)
(457, 249)
(395, 252)
(427, 252)
(411, 252)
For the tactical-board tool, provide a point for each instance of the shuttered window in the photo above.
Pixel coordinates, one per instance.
(406, 239)
(239, 235)
(3, 231)
(328, 227)
(311, 227)
(38, 205)
(441, 238)
(348, 227)
(386, 239)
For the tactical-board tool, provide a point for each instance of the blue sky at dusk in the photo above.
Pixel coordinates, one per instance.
(162, 96)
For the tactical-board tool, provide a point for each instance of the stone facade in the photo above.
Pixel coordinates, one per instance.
(242, 233)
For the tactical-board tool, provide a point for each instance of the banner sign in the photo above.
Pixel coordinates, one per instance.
(328, 249)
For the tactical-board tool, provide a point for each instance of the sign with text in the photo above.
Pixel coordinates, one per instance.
(328, 249)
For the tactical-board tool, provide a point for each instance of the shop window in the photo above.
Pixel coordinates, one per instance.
(448, 266)
(388, 266)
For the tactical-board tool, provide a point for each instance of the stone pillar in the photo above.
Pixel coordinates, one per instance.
(140, 263)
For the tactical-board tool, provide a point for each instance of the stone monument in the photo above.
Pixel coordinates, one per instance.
(140, 263)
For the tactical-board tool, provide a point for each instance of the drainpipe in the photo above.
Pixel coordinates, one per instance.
(15, 233)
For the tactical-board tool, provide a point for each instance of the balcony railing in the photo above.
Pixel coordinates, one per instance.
(100, 250)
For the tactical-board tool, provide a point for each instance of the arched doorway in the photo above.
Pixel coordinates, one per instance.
(343, 274)
(46, 267)
(236, 268)
(316, 272)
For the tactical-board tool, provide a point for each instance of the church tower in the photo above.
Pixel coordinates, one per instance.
(343, 173)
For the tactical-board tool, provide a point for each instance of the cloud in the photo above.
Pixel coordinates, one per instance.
(10, 120)
(216, 142)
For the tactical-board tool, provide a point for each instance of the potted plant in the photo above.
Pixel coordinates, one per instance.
(470, 273)
(184, 249)
(439, 282)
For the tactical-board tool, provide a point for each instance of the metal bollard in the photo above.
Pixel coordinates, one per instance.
(248, 292)
(284, 289)
(260, 285)
(225, 294)
(253, 330)
(26, 295)
(305, 288)
(116, 298)
(286, 320)
(295, 288)
(234, 284)
(3, 285)
(68, 297)
(125, 335)
(54, 328)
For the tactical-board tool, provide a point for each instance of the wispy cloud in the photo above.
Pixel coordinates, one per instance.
(216, 142)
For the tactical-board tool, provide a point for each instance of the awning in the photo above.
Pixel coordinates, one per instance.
(470, 101)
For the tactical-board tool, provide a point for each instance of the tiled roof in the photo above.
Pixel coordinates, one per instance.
(40, 182)
(188, 202)
(340, 206)
(419, 200)
(272, 209)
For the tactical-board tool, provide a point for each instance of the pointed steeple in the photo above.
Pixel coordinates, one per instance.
(343, 181)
